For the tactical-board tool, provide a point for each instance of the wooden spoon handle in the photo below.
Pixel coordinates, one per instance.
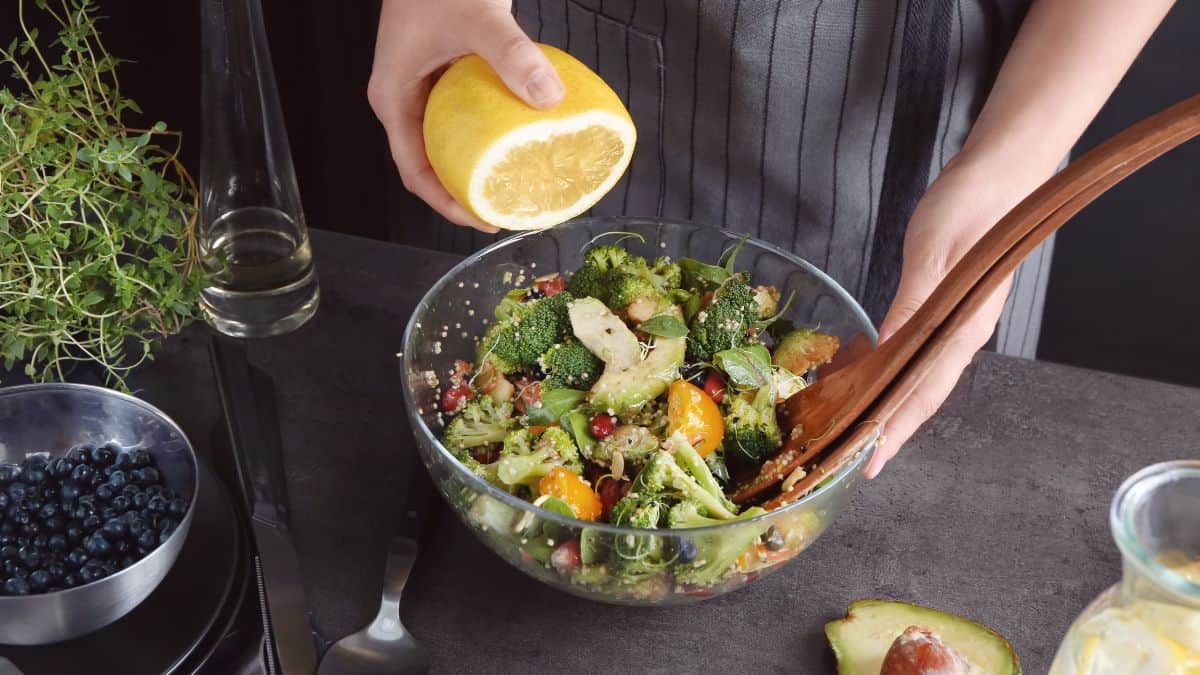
(931, 353)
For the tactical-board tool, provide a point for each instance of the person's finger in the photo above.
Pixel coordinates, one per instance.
(517, 60)
(917, 282)
(402, 113)
(938, 383)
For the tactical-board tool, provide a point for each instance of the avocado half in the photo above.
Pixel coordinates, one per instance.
(862, 639)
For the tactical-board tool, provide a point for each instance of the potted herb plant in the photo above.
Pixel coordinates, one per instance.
(98, 258)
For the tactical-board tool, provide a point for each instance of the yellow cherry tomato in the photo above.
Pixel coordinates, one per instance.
(575, 491)
(694, 413)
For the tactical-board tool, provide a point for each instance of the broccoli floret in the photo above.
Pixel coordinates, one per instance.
(751, 429)
(662, 475)
(518, 342)
(637, 556)
(666, 274)
(610, 274)
(570, 365)
(625, 288)
(639, 510)
(590, 280)
(481, 422)
(724, 324)
(716, 552)
(524, 461)
(635, 444)
(687, 457)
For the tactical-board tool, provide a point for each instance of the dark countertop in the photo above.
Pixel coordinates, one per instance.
(997, 510)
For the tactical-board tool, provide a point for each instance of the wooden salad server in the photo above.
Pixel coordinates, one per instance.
(815, 417)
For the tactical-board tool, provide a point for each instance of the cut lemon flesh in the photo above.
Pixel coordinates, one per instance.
(519, 168)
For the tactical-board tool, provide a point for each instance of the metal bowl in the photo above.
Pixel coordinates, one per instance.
(52, 419)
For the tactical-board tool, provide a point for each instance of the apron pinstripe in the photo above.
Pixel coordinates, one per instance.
(814, 124)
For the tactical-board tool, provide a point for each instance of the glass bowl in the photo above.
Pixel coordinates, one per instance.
(619, 564)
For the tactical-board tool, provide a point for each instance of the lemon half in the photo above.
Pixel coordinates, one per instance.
(517, 167)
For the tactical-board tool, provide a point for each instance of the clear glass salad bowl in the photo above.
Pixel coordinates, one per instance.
(688, 564)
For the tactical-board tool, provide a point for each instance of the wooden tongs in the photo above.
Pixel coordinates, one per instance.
(866, 393)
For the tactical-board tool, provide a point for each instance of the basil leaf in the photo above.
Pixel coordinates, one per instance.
(691, 307)
(555, 402)
(731, 255)
(700, 275)
(746, 366)
(664, 325)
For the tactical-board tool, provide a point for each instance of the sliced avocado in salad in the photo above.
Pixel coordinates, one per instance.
(862, 639)
(604, 333)
(629, 389)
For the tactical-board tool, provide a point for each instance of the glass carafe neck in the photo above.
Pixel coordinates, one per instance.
(1155, 520)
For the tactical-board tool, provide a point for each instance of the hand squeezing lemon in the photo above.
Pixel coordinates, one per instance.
(519, 168)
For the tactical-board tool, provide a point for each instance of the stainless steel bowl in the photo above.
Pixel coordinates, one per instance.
(52, 419)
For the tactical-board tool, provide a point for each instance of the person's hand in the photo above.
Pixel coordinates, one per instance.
(954, 214)
(416, 41)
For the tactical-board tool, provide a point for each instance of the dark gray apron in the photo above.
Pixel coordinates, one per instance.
(814, 124)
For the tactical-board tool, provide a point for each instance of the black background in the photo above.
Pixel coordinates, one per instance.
(1124, 285)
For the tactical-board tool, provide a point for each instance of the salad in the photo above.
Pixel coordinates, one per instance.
(636, 393)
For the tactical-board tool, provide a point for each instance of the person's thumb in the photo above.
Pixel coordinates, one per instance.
(517, 60)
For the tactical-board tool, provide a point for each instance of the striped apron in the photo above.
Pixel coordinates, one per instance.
(813, 124)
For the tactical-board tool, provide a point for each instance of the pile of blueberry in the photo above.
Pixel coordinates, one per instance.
(74, 519)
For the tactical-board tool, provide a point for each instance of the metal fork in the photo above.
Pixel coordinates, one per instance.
(384, 645)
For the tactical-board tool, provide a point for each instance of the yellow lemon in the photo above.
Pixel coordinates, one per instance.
(517, 167)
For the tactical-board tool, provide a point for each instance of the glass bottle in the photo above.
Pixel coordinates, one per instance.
(1149, 622)
(253, 240)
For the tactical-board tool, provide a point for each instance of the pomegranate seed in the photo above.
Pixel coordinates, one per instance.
(610, 492)
(455, 397)
(602, 425)
(551, 287)
(566, 557)
(714, 386)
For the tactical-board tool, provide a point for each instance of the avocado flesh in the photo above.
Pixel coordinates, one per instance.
(862, 639)
(603, 333)
(624, 390)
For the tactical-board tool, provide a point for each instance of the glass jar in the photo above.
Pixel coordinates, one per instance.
(1149, 622)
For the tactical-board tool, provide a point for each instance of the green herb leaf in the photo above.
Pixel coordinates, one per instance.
(664, 325)
(746, 366)
(555, 403)
(732, 254)
(697, 274)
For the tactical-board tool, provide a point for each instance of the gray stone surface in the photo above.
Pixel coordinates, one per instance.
(997, 510)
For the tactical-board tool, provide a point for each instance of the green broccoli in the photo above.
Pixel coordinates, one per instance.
(666, 275)
(635, 556)
(518, 342)
(726, 322)
(643, 511)
(716, 552)
(626, 288)
(524, 461)
(612, 275)
(751, 429)
(570, 365)
(635, 444)
(691, 461)
(589, 281)
(662, 475)
(482, 421)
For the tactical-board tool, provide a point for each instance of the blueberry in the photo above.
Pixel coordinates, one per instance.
(70, 580)
(139, 458)
(127, 561)
(7, 539)
(97, 479)
(121, 546)
(16, 586)
(120, 503)
(109, 567)
(167, 524)
(49, 491)
(39, 542)
(57, 542)
(88, 574)
(31, 528)
(136, 526)
(157, 505)
(104, 455)
(13, 568)
(91, 523)
(32, 503)
(118, 479)
(29, 556)
(685, 550)
(39, 580)
(97, 545)
(177, 508)
(108, 512)
(9, 473)
(80, 455)
(142, 551)
(81, 511)
(148, 475)
(130, 489)
(164, 535)
(115, 529)
(48, 511)
(56, 571)
(83, 474)
(124, 461)
(35, 462)
(154, 490)
(17, 490)
(69, 491)
(34, 476)
(148, 539)
(105, 493)
(60, 467)
(77, 558)
(5, 500)
(8, 552)
(21, 518)
(74, 531)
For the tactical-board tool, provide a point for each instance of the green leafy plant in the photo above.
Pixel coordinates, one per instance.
(98, 257)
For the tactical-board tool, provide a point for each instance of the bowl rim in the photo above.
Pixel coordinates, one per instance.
(180, 530)
(484, 487)
(1132, 491)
